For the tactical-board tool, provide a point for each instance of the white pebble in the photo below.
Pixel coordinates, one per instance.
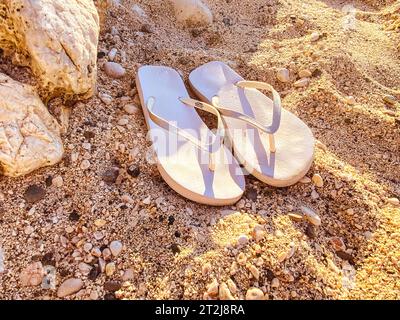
(105, 98)
(282, 75)
(131, 108)
(311, 216)
(243, 240)
(57, 182)
(114, 70)
(302, 83)
(394, 201)
(192, 11)
(116, 248)
(314, 36)
(112, 54)
(85, 164)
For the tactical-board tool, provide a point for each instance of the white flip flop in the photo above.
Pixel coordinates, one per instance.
(272, 143)
(202, 171)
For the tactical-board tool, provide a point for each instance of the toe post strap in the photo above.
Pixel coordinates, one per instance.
(210, 148)
(276, 115)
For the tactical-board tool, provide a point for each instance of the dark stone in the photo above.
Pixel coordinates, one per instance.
(49, 181)
(48, 259)
(345, 256)
(74, 216)
(146, 28)
(175, 248)
(110, 296)
(134, 171)
(101, 54)
(34, 194)
(317, 73)
(89, 135)
(110, 175)
(251, 194)
(270, 275)
(171, 220)
(94, 272)
(177, 234)
(310, 231)
(112, 286)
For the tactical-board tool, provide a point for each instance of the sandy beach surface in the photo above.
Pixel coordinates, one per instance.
(105, 218)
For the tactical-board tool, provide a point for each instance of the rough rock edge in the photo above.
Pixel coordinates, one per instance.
(57, 39)
(29, 135)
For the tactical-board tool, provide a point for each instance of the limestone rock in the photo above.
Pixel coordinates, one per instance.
(193, 12)
(57, 39)
(29, 135)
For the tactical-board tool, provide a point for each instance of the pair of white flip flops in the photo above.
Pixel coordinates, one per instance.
(270, 142)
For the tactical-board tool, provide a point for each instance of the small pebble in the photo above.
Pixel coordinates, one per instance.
(314, 36)
(311, 216)
(394, 201)
(96, 252)
(110, 175)
(29, 230)
(112, 54)
(114, 70)
(314, 195)
(232, 286)
(100, 223)
(69, 287)
(275, 283)
(112, 286)
(337, 244)
(224, 292)
(85, 164)
(116, 248)
(390, 99)
(123, 121)
(110, 269)
(106, 98)
(106, 254)
(243, 240)
(302, 82)
(131, 108)
(305, 73)
(34, 193)
(98, 235)
(283, 75)
(57, 181)
(254, 271)
(317, 179)
(84, 268)
(213, 288)
(350, 100)
(254, 294)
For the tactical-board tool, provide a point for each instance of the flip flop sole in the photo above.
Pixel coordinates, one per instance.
(182, 165)
(294, 140)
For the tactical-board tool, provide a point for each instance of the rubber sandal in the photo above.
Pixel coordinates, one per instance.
(190, 157)
(270, 142)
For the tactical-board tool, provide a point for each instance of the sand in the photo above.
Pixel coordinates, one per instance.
(173, 248)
